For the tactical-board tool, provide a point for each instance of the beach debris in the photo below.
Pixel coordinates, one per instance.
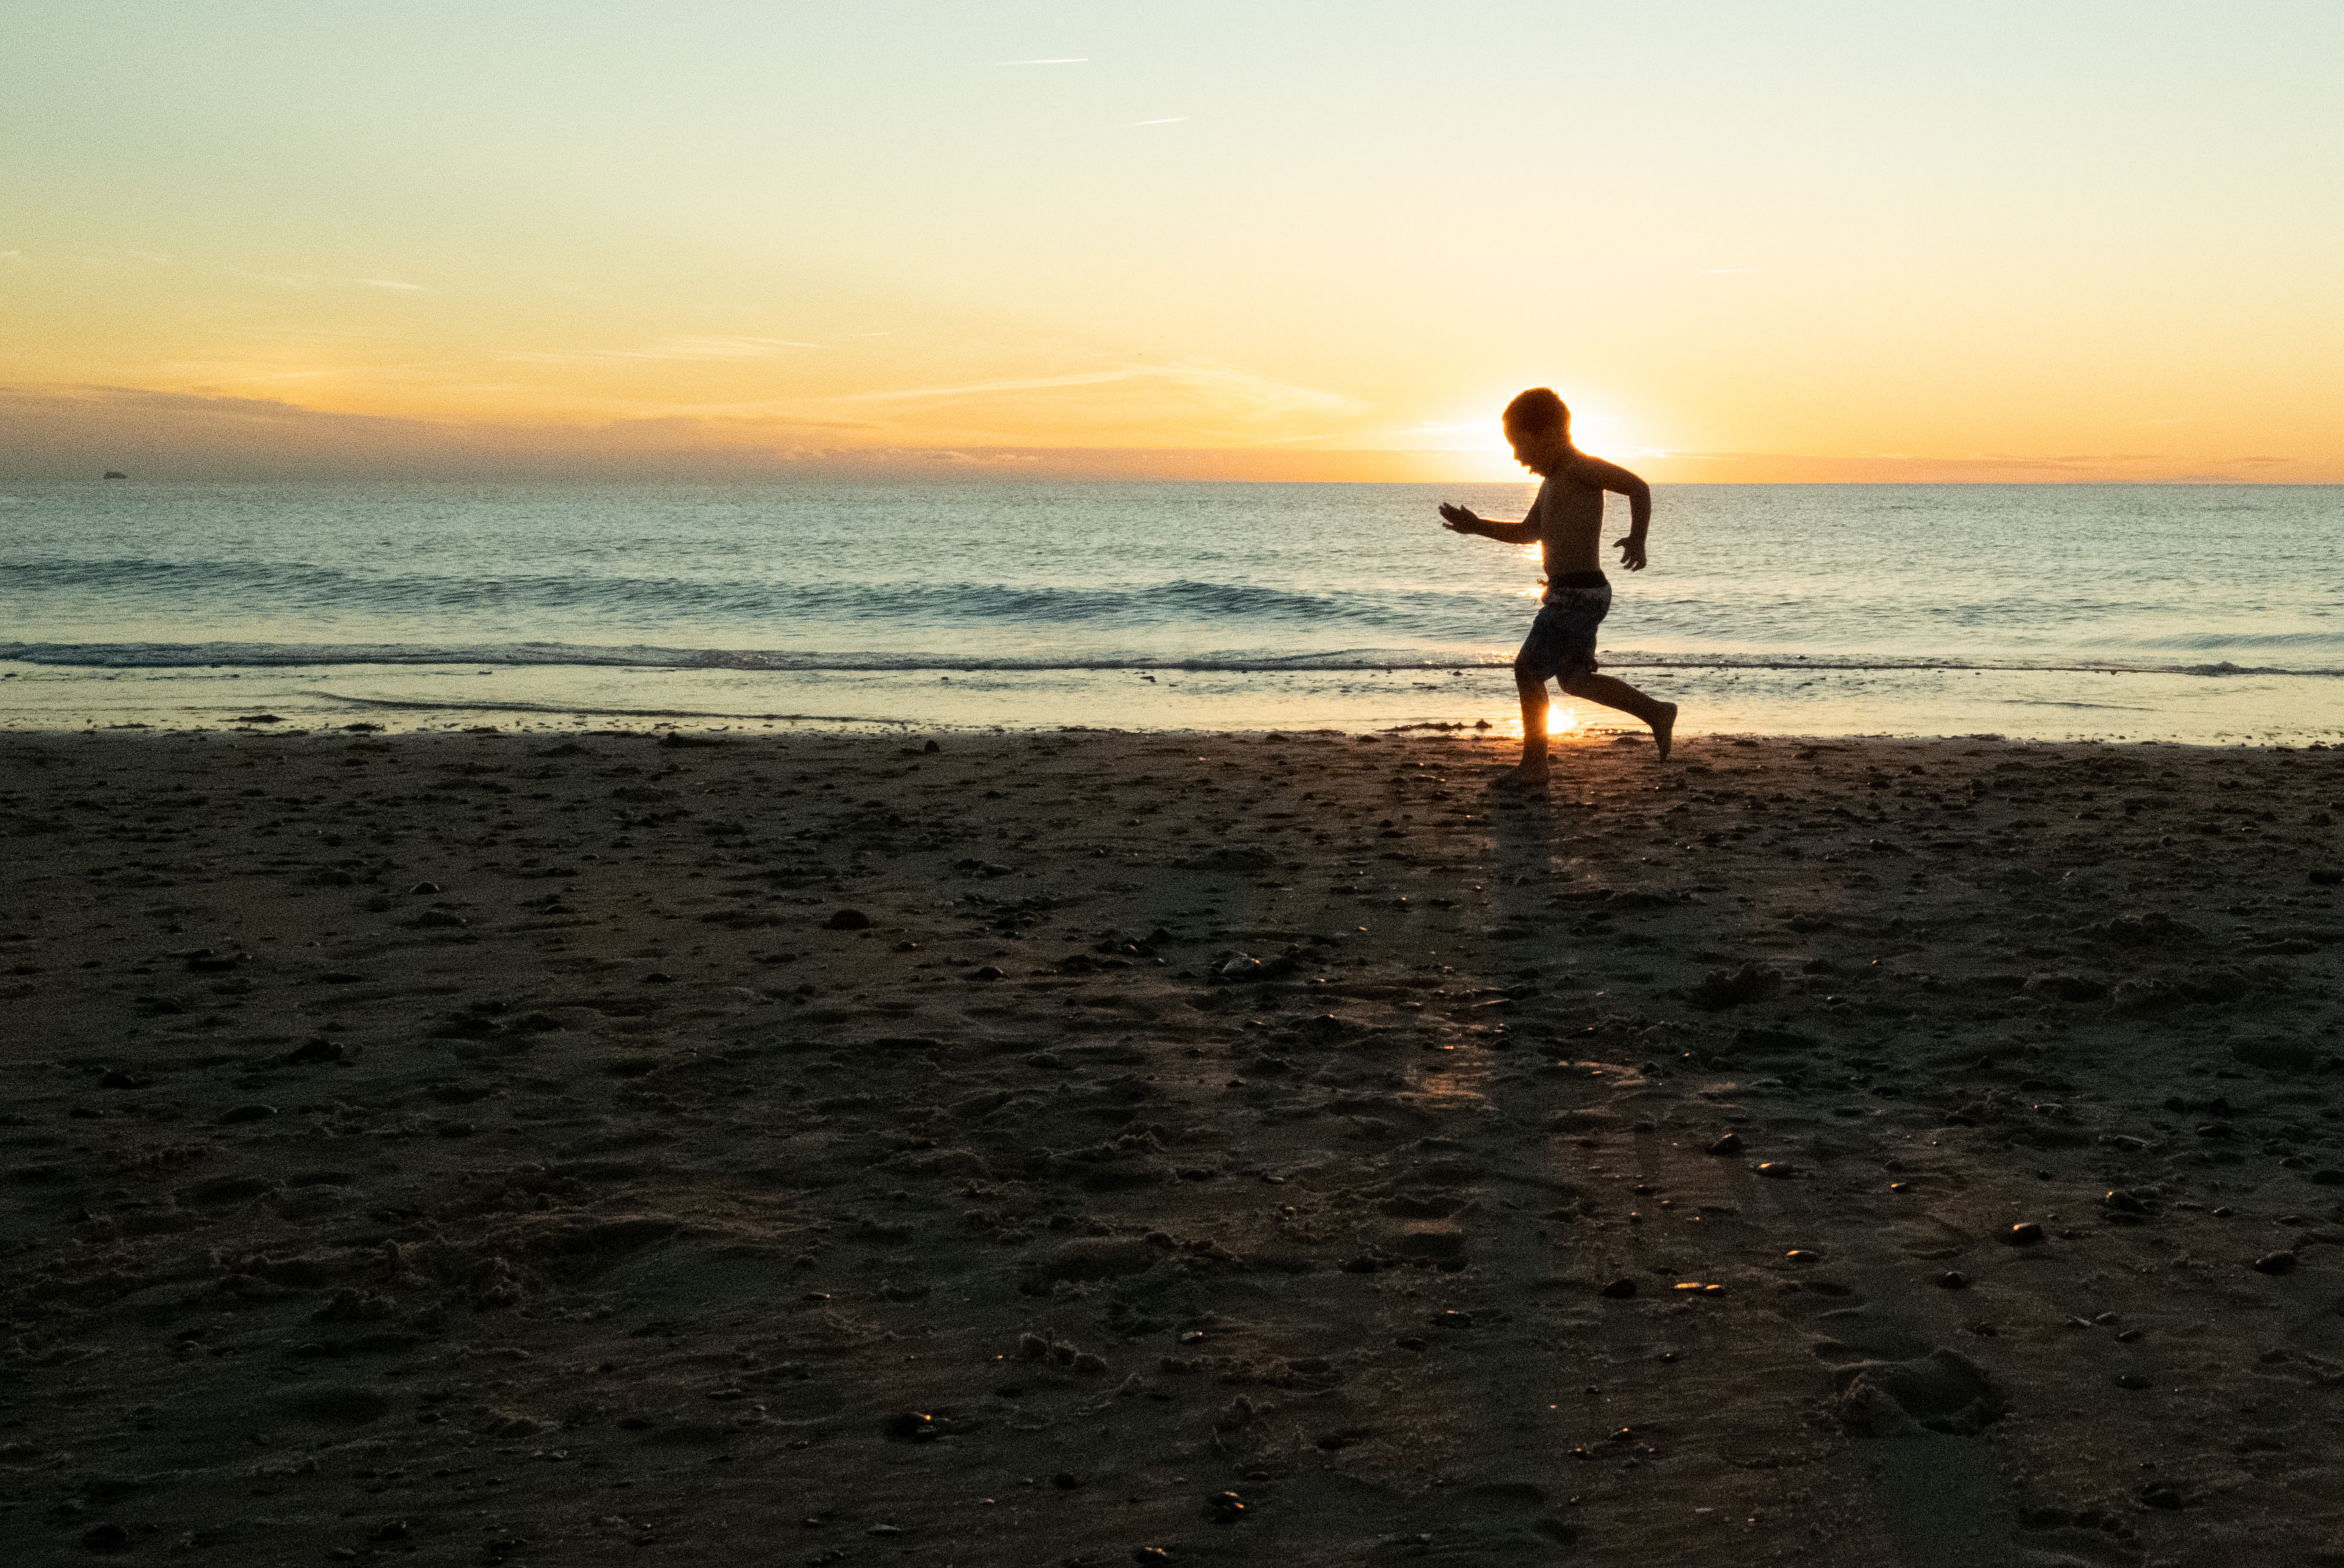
(2146, 928)
(1619, 1290)
(2026, 1233)
(1722, 988)
(2277, 1055)
(847, 920)
(2064, 987)
(2273, 1264)
(1729, 1144)
(1944, 1391)
(1761, 1041)
(1230, 858)
(911, 1426)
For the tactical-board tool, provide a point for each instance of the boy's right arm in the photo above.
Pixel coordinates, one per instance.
(1463, 520)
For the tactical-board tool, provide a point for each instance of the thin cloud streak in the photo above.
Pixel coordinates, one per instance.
(1264, 395)
(675, 348)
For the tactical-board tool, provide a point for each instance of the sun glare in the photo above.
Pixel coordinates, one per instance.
(1564, 721)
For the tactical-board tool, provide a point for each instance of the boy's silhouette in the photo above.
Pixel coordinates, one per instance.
(1567, 522)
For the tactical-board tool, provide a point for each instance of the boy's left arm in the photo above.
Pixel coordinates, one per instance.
(1614, 478)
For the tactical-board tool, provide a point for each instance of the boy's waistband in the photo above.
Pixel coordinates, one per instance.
(1578, 580)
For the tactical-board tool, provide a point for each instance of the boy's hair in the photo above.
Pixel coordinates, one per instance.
(1539, 411)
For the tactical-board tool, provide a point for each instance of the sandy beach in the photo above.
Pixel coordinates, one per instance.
(1089, 1148)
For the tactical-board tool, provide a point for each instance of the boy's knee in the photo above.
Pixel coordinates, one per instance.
(1529, 676)
(1576, 681)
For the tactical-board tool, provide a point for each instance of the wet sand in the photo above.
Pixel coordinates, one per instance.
(1088, 1149)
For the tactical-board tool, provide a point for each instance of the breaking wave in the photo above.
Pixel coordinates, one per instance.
(283, 655)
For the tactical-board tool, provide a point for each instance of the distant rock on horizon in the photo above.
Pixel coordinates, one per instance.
(115, 474)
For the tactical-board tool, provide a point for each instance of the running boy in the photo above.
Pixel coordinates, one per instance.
(1567, 522)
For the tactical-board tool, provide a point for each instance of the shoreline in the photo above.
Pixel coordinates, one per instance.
(2242, 707)
(611, 1143)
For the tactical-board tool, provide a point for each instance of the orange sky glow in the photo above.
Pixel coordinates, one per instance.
(1811, 242)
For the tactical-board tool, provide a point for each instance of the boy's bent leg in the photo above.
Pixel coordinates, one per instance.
(1533, 689)
(1615, 693)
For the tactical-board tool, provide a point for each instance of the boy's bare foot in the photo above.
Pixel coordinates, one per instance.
(1664, 729)
(1528, 774)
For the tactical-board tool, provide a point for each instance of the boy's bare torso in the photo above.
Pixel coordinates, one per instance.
(1568, 513)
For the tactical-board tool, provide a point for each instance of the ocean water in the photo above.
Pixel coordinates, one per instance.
(2170, 612)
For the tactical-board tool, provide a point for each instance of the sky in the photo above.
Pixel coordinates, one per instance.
(2060, 240)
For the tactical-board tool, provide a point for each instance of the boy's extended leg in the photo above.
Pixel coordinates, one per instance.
(1611, 693)
(1534, 707)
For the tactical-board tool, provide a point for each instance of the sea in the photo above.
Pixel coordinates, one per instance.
(2197, 614)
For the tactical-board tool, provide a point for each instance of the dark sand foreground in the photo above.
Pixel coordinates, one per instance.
(483, 1148)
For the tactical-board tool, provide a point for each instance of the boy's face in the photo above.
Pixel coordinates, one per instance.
(1537, 450)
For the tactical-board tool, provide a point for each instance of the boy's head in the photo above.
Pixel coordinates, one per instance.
(1537, 425)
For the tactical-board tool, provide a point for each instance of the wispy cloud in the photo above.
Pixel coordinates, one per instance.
(682, 348)
(392, 284)
(1720, 271)
(1174, 120)
(725, 347)
(1067, 60)
(1252, 394)
(114, 258)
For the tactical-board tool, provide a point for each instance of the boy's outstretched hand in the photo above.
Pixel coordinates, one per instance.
(1632, 552)
(1457, 519)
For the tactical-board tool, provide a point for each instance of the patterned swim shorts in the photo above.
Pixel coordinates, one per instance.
(1562, 643)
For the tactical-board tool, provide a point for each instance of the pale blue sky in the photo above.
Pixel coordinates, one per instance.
(1735, 228)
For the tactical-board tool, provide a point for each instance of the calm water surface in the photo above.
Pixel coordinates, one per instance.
(2185, 612)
